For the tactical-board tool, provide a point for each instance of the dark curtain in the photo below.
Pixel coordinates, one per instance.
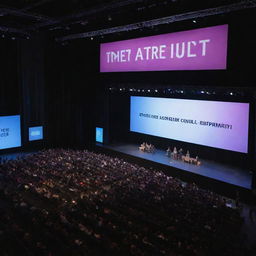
(9, 88)
(32, 83)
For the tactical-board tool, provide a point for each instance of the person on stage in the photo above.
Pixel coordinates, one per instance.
(175, 153)
(180, 152)
(168, 152)
(142, 147)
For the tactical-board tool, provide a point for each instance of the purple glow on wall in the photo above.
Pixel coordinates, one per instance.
(198, 49)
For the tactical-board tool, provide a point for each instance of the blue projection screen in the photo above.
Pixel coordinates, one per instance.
(35, 133)
(10, 135)
(210, 123)
(99, 134)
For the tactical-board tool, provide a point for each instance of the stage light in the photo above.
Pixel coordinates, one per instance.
(148, 90)
(156, 90)
(231, 93)
(13, 38)
(189, 16)
(194, 21)
(91, 38)
(202, 92)
(181, 91)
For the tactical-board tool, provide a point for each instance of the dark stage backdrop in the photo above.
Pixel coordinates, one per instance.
(71, 82)
(31, 74)
(9, 89)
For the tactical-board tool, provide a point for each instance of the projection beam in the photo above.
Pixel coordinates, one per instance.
(15, 12)
(14, 31)
(165, 20)
(23, 12)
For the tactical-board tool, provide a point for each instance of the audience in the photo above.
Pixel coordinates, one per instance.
(67, 202)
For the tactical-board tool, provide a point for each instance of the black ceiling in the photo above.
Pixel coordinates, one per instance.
(62, 18)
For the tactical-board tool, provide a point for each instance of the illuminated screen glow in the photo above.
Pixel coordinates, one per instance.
(99, 134)
(10, 135)
(35, 133)
(198, 49)
(210, 123)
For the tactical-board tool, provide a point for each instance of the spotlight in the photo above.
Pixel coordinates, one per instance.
(91, 38)
(194, 21)
(156, 90)
(231, 93)
(202, 92)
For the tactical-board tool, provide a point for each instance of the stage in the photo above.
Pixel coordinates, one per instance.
(213, 175)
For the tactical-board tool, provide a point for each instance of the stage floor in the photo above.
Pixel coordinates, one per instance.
(210, 169)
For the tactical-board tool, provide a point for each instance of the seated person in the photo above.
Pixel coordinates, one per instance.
(168, 152)
(197, 161)
(142, 147)
(151, 148)
(174, 153)
(180, 153)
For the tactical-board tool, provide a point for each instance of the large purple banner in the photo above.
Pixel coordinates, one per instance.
(198, 49)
